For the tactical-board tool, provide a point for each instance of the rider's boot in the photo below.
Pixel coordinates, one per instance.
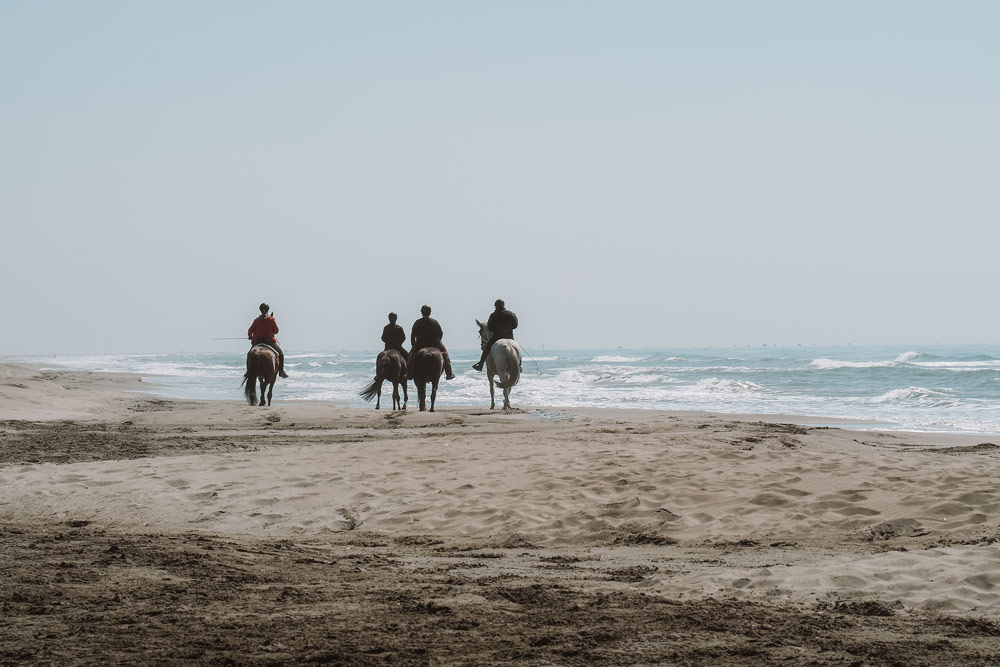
(448, 375)
(281, 368)
(478, 365)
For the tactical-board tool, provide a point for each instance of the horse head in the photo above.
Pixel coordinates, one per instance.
(484, 333)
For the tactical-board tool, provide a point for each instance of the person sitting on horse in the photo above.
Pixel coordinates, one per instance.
(427, 332)
(394, 336)
(501, 324)
(262, 331)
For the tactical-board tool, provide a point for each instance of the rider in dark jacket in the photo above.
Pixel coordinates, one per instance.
(501, 324)
(393, 336)
(427, 332)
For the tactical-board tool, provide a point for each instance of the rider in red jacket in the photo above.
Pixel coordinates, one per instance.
(262, 330)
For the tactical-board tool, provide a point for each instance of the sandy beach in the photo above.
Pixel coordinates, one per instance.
(135, 529)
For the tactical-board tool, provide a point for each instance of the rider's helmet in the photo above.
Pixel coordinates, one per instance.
(498, 303)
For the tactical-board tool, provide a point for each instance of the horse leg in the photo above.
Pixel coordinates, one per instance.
(378, 401)
(406, 397)
(422, 395)
(263, 387)
(506, 398)
(493, 402)
(270, 391)
(434, 392)
(395, 394)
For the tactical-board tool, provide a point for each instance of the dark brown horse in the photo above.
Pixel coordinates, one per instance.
(389, 365)
(427, 364)
(262, 366)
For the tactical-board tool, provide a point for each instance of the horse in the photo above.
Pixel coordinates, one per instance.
(262, 365)
(389, 365)
(426, 364)
(503, 361)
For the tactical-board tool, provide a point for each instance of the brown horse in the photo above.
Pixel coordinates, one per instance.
(262, 365)
(427, 364)
(389, 365)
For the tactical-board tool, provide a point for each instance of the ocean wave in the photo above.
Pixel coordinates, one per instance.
(615, 359)
(712, 369)
(919, 395)
(316, 355)
(990, 365)
(720, 385)
(618, 375)
(833, 364)
(574, 376)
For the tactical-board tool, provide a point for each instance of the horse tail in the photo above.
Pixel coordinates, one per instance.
(249, 383)
(368, 393)
(510, 378)
(250, 386)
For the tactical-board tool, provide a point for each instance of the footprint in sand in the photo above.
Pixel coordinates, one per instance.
(768, 500)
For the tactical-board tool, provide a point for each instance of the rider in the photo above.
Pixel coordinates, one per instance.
(262, 330)
(427, 333)
(393, 336)
(501, 324)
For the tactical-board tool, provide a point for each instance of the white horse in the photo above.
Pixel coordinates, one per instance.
(503, 361)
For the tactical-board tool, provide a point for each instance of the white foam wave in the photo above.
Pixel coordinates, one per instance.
(919, 395)
(719, 385)
(832, 364)
(615, 359)
(574, 376)
(315, 355)
(960, 365)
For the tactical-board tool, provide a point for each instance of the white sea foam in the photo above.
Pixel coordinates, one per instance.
(960, 366)
(616, 359)
(717, 385)
(918, 395)
(832, 364)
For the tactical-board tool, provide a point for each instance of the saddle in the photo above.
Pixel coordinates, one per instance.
(267, 345)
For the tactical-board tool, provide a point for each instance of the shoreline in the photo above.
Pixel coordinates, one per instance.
(36, 402)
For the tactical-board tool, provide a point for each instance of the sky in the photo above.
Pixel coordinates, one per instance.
(634, 174)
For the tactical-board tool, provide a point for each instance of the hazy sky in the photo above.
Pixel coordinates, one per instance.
(622, 173)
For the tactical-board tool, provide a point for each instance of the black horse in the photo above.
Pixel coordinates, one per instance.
(391, 366)
(426, 364)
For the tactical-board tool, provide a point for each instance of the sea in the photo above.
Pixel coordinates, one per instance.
(935, 388)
